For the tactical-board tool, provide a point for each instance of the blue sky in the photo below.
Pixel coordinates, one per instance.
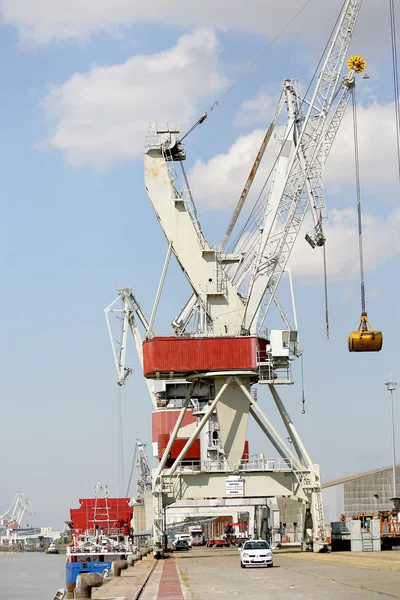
(81, 81)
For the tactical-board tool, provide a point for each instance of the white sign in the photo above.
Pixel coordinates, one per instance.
(234, 487)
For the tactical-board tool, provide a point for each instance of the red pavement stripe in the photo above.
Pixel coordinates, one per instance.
(170, 586)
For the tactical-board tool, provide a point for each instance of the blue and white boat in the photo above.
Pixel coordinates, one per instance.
(94, 553)
(101, 533)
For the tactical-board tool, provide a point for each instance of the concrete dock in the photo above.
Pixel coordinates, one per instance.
(131, 583)
(202, 573)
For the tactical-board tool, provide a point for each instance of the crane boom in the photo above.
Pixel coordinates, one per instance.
(293, 202)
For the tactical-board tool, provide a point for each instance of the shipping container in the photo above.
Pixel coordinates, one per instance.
(168, 357)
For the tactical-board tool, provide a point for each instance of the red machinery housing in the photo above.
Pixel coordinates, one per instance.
(167, 357)
(109, 513)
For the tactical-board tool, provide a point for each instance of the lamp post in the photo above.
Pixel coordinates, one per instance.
(391, 386)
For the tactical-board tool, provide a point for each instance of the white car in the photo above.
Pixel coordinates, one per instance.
(256, 552)
(183, 536)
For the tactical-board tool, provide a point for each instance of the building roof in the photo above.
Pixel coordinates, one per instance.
(334, 482)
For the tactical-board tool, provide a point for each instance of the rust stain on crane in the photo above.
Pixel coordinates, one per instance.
(248, 184)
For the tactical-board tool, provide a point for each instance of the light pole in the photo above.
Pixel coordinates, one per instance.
(391, 386)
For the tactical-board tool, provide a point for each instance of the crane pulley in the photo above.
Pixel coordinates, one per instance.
(365, 339)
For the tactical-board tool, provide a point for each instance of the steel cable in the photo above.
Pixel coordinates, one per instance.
(395, 78)
(326, 292)
(248, 68)
(358, 192)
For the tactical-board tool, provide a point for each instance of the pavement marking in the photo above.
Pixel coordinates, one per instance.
(170, 585)
(354, 585)
(150, 590)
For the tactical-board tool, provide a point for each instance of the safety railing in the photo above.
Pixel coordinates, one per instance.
(390, 529)
(258, 463)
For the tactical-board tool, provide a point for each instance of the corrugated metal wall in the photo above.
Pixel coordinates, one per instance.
(370, 494)
(187, 355)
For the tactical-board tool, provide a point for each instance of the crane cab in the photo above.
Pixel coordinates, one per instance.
(365, 339)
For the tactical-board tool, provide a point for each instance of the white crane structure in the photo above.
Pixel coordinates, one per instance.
(15, 513)
(221, 348)
(140, 463)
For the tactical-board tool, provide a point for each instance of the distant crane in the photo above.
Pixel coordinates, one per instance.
(143, 472)
(15, 513)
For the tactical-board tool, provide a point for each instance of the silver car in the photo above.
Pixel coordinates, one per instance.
(256, 552)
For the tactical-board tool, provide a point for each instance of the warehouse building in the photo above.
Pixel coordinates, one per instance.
(367, 492)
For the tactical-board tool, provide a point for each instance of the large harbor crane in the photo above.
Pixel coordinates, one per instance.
(203, 376)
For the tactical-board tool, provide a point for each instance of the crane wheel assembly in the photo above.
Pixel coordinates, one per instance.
(356, 64)
(365, 339)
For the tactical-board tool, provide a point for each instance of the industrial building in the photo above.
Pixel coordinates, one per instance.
(367, 492)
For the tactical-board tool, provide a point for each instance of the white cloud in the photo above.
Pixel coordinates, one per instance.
(381, 240)
(41, 21)
(259, 109)
(218, 183)
(377, 147)
(102, 116)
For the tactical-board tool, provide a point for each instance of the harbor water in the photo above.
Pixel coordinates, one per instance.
(31, 576)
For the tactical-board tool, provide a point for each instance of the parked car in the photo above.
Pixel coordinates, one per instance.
(181, 545)
(256, 552)
(184, 536)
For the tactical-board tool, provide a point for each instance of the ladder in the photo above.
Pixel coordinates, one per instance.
(366, 541)
(101, 514)
(319, 514)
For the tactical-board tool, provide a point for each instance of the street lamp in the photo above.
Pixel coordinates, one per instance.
(391, 386)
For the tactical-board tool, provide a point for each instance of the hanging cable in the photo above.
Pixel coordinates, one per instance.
(326, 293)
(358, 192)
(248, 68)
(303, 399)
(365, 339)
(395, 78)
(120, 443)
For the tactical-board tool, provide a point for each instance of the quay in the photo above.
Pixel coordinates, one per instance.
(202, 573)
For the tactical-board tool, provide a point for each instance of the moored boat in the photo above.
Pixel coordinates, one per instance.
(52, 549)
(101, 533)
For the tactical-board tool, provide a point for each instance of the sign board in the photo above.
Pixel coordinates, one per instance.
(234, 487)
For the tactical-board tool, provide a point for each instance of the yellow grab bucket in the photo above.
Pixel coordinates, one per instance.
(365, 339)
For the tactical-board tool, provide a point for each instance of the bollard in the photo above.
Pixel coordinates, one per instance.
(85, 582)
(118, 566)
(135, 557)
(140, 555)
(131, 560)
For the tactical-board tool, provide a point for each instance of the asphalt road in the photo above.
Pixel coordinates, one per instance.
(215, 573)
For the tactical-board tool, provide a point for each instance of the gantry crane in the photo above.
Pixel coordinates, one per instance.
(220, 349)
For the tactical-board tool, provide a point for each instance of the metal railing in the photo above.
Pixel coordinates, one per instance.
(390, 528)
(256, 463)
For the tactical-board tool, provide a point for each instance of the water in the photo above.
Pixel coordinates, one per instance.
(35, 576)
